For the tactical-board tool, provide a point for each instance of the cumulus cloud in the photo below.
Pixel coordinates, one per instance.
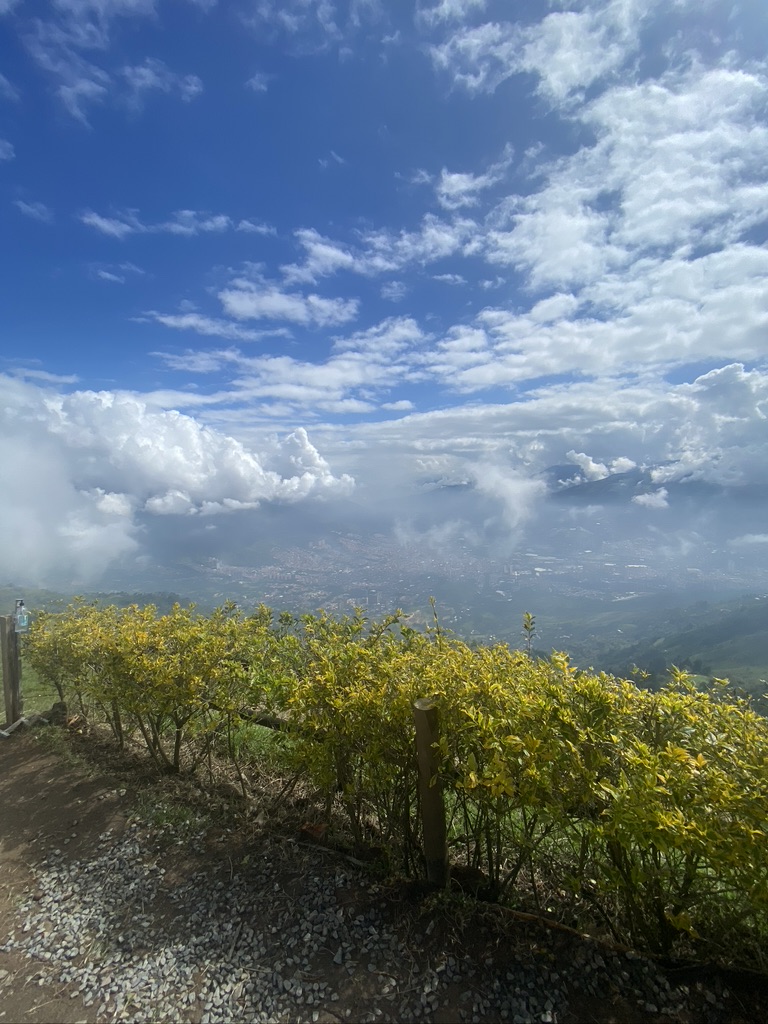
(681, 433)
(654, 499)
(90, 470)
(590, 469)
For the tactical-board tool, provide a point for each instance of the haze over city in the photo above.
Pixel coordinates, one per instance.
(389, 293)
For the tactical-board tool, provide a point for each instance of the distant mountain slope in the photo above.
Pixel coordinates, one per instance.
(726, 640)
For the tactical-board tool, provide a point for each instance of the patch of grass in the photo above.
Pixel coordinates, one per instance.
(36, 694)
(257, 743)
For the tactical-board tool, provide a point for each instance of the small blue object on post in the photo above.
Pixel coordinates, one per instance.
(21, 618)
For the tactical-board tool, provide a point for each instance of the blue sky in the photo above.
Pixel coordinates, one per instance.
(265, 253)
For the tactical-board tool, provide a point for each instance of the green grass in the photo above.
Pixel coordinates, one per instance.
(36, 694)
(254, 742)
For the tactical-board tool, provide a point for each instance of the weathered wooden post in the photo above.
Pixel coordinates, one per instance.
(431, 795)
(14, 707)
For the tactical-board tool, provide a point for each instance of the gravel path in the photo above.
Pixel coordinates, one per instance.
(281, 938)
(176, 923)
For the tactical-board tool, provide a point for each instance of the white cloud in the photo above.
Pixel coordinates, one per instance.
(300, 17)
(247, 299)
(133, 460)
(688, 161)
(311, 26)
(383, 251)
(44, 376)
(670, 166)
(590, 469)
(58, 42)
(116, 274)
(517, 493)
(72, 44)
(7, 152)
(435, 239)
(334, 156)
(448, 10)
(186, 223)
(557, 238)
(455, 190)
(748, 540)
(78, 92)
(679, 433)
(154, 75)
(394, 291)
(112, 226)
(456, 279)
(89, 467)
(555, 307)
(567, 50)
(481, 58)
(322, 257)
(631, 254)
(8, 90)
(255, 228)
(37, 211)
(206, 326)
(655, 314)
(360, 367)
(258, 82)
(191, 223)
(655, 499)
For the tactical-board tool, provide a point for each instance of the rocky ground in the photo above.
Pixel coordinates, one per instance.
(117, 903)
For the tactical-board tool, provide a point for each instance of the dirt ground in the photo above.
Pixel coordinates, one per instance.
(50, 800)
(44, 804)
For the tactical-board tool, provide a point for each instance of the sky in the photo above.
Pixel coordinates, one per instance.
(348, 259)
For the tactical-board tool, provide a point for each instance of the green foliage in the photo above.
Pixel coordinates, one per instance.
(650, 808)
(529, 631)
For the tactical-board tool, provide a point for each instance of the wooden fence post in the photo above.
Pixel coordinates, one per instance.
(431, 796)
(14, 707)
